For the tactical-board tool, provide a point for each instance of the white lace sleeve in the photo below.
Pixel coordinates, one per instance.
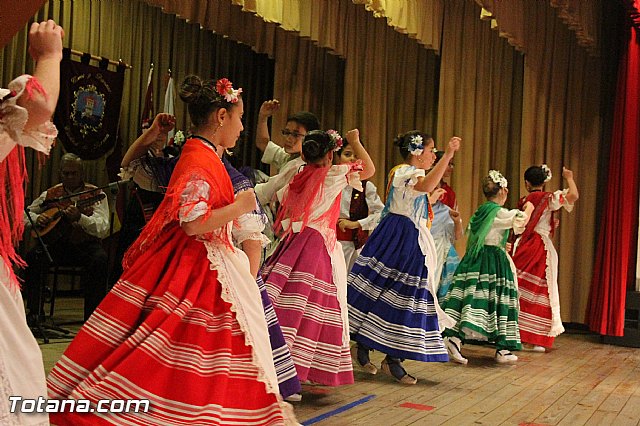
(13, 119)
(139, 174)
(507, 219)
(249, 226)
(193, 191)
(559, 200)
(407, 176)
(375, 205)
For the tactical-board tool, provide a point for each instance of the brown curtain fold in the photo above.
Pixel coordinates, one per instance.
(582, 17)
(481, 88)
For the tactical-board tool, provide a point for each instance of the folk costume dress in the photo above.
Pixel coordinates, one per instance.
(306, 276)
(443, 232)
(391, 293)
(21, 367)
(184, 326)
(537, 263)
(364, 207)
(153, 173)
(483, 297)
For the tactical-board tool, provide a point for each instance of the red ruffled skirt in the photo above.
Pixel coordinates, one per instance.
(164, 334)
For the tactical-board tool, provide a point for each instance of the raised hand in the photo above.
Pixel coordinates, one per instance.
(268, 108)
(566, 173)
(436, 195)
(164, 123)
(452, 146)
(45, 41)
(455, 215)
(352, 135)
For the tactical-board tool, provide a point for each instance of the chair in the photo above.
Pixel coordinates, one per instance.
(72, 271)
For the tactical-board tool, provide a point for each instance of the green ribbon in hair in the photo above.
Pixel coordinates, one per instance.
(480, 225)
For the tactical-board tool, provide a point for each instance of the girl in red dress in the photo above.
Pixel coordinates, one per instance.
(184, 326)
(537, 260)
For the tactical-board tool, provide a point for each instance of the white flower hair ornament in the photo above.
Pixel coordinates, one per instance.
(416, 145)
(179, 138)
(497, 178)
(336, 139)
(547, 171)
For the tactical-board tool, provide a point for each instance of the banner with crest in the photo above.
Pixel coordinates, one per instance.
(88, 109)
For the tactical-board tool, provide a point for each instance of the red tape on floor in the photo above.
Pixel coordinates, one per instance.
(416, 406)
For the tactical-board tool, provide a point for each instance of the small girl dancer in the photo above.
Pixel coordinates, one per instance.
(483, 298)
(445, 229)
(537, 261)
(392, 298)
(359, 211)
(306, 275)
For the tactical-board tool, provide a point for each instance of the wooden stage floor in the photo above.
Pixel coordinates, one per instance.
(580, 382)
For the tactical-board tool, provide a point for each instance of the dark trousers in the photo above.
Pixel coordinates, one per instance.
(89, 255)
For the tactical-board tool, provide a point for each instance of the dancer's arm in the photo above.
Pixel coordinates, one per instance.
(573, 194)
(353, 137)
(45, 47)
(432, 179)
(244, 203)
(262, 129)
(161, 126)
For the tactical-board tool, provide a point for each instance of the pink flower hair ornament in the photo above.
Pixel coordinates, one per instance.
(225, 89)
(336, 139)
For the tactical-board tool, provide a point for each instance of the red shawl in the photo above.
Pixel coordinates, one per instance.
(540, 201)
(197, 162)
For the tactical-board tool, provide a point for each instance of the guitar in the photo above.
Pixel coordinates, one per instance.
(55, 214)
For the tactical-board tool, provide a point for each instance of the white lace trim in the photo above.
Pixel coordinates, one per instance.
(339, 274)
(428, 248)
(6, 418)
(229, 294)
(552, 287)
(254, 236)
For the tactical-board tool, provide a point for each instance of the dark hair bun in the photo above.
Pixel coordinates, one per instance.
(403, 140)
(316, 144)
(535, 175)
(398, 140)
(195, 90)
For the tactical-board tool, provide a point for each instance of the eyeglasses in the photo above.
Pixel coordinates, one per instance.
(295, 135)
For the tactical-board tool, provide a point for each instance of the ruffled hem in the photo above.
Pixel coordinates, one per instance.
(229, 294)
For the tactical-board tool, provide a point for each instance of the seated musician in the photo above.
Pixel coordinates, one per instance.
(75, 240)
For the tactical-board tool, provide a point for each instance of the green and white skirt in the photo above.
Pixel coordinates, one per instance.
(483, 300)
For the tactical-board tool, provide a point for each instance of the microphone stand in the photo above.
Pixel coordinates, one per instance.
(36, 320)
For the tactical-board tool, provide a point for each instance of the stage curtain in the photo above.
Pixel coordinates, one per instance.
(481, 85)
(511, 17)
(614, 270)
